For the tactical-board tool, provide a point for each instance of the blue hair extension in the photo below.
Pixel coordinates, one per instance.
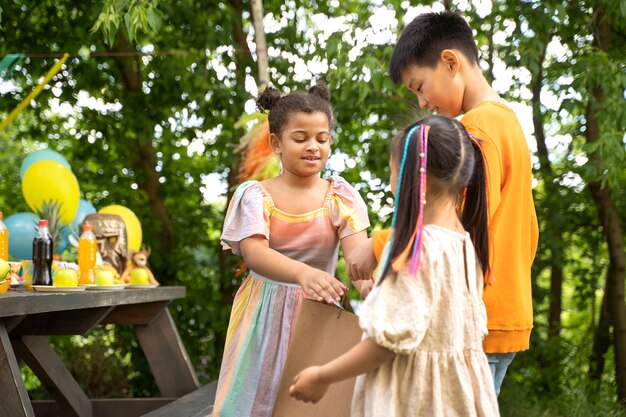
(398, 189)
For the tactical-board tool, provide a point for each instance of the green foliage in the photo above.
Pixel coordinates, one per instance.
(147, 127)
(135, 16)
(577, 402)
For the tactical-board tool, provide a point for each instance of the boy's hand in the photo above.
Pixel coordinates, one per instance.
(365, 288)
(361, 263)
(321, 286)
(308, 385)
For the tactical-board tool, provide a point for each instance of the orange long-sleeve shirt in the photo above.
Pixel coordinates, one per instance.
(513, 229)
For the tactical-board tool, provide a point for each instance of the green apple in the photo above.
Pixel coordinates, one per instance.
(104, 278)
(4, 269)
(139, 276)
(66, 278)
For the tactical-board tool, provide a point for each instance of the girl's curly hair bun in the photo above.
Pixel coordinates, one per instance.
(321, 90)
(268, 99)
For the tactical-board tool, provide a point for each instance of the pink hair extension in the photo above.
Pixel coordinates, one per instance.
(417, 244)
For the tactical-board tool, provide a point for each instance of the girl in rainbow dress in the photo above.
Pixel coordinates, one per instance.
(288, 230)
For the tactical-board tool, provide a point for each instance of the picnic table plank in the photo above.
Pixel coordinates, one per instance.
(48, 367)
(168, 360)
(199, 403)
(135, 314)
(15, 401)
(15, 303)
(73, 322)
(105, 407)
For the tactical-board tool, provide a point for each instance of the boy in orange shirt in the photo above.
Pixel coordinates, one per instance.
(436, 58)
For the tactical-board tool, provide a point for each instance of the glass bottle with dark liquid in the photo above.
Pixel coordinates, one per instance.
(42, 255)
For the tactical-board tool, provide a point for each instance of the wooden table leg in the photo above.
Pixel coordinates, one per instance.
(167, 356)
(46, 364)
(15, 401)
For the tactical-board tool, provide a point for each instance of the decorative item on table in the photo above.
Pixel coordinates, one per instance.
(4, 285)
(106, 275)
(66, 277)
(27, 273)
(16, 273)
(5, 268)
(138, 272)
(134, 234)
(43, 248)
(5, 282)
(4, 240)
(110, 233)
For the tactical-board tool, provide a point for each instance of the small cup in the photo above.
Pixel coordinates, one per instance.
(27, 273)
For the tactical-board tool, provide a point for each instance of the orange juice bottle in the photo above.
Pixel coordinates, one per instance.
(87, 248)
(4, 240)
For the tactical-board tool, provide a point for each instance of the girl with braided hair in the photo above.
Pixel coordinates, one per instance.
(288, 230)
(424, 321)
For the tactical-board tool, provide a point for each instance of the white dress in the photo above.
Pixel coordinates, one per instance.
(435, 323)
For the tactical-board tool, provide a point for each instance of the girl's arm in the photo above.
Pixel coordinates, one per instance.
(348, 246)
(316, 284)
(362, 263)
(311, 384)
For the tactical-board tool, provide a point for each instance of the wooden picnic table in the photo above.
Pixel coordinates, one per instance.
(27, 319)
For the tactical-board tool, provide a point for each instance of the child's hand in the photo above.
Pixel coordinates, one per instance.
(308, 385)
(321, 286)
(365, 288)
(361, 263)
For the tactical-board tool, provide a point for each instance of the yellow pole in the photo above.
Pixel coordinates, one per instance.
(34, 93)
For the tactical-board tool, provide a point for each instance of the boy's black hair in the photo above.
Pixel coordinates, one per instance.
(279, 107)
(454, 166)
(422, 41)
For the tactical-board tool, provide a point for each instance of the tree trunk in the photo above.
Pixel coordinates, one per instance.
(243, 59)
(553, 233)
(491, 48)
(601, 343)
(611, 225)
(261, 46)
(145, 161)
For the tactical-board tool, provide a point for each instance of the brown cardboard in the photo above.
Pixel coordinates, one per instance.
(322, 333)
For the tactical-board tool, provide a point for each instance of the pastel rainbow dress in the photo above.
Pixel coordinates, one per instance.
(264, 310)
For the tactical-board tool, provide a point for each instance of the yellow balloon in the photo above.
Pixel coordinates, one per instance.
(133, 227)
(50, 180)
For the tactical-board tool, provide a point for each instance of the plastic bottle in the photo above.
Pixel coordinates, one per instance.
(87, 252)
(4, 240)
(43, 248)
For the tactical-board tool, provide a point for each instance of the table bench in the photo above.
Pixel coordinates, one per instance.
(198, 403)
(28, 318)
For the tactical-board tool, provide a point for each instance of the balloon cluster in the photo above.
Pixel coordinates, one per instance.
(47, 176)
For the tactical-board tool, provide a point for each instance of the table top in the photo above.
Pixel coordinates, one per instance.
(23, 302)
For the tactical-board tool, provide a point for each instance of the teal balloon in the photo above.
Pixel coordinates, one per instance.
(42, 155)
(84, 208)
(22, 230)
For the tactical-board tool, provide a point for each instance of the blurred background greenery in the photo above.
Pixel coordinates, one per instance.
(146, 111)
